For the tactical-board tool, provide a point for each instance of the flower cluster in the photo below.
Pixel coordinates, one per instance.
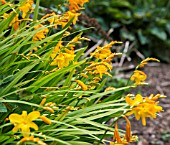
(105, 52)
(143, 108)
(63, 55)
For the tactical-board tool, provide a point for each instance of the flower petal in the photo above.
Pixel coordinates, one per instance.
(33, 125)
(144, 120)
(16, 128)
(24, 114)
(128, 100)
(138, 99)
(15, 118)
(33, 115)
(25, 130)
(137, 116)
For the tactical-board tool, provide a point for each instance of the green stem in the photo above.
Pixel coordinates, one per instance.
(36, 11)
(131, 75)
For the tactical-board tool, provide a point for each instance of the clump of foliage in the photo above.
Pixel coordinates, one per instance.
(140, 22)
(49, 94)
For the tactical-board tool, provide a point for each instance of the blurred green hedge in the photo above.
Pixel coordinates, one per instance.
(146, 22)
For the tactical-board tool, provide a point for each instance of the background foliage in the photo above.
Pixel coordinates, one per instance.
(145, 22)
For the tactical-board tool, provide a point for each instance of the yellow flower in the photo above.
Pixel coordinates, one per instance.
(71, 15)
(82, 85)
(40, 34)
(56, 49)
(101, 53)
(143, 107)
(14, 23)
(51, 20)
(63, 59)
(102, 69)
(109, 89)
(66, 17)
(105, 52)
(43, 101)
(99, 68)
(24, 122)
(145, 61)
(75, 4)
(139, 77)
(25, 8)
(48, 109)
(110, 57)
(68, 57)
(138, 99)
(145, 110)
(59, 60)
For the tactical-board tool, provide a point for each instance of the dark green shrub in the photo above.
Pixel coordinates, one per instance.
(147, 23)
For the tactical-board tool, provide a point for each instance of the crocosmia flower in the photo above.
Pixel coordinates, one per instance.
(24, 122)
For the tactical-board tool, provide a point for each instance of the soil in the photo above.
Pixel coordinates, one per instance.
(157, 131)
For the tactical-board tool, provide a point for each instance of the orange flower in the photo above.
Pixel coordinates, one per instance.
(3, 2)
(116, 134)
(76, 5)
(84, 75)
(128, 136)
(31, 138)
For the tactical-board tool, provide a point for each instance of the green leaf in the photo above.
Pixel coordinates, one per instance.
(3, 107)
(78, 143)
(18, 76)
(143, 39)
(42, 81)
(159, 33)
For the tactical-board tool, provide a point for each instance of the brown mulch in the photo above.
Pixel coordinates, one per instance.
(157, 131)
